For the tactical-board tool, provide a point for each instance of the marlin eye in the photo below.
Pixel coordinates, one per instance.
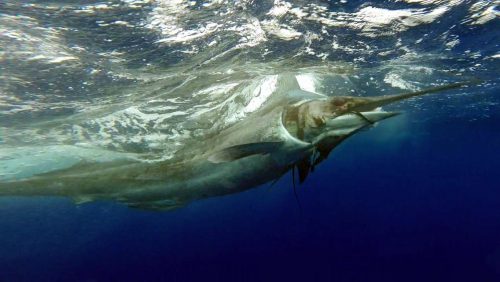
(319, 121)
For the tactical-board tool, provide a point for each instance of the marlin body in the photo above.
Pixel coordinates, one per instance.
(294, 130)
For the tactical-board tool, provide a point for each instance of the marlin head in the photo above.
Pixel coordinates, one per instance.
(325, 122)
(312, 120)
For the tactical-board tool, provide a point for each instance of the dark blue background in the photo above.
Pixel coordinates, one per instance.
(409, 200)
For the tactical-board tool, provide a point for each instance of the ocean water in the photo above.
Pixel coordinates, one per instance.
(415, 198)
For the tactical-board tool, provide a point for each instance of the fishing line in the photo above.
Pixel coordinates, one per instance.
(295, 190)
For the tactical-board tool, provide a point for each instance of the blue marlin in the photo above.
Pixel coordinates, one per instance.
(295, 130)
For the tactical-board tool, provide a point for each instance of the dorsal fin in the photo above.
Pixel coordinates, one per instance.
(288, 86)
(287, 82)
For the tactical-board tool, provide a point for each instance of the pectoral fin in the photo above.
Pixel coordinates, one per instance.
(241, 151)
(304, 167)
